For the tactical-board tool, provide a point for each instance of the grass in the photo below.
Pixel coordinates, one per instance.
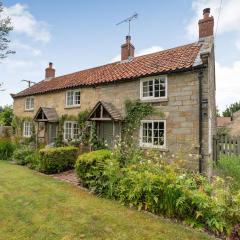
(229, 166)
(34, 206)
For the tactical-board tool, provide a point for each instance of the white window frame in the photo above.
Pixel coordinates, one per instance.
(31, 103)
(151, 145)
(74, 95)
(152, 98)
(27, 132)
(71, 130)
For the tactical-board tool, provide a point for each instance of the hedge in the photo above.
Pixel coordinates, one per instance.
(59, 159)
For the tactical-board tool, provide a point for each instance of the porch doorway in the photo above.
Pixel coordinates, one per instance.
(108, 123)
(108, 132)
(47, 121)
(52, 132)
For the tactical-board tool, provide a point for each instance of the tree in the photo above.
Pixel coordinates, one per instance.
(5, 29)
(6, 116)
(218, 114)
(231, 109)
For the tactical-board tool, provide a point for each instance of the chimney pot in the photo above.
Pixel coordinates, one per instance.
(206, 24)
(127, 49)
(49, 71)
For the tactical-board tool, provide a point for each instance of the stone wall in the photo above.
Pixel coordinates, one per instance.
(181, 110)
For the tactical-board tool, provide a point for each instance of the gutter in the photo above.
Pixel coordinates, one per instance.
(200, 77)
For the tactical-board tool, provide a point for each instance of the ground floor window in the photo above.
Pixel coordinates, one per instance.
(27, 129)
(153, 133)
(71, 130)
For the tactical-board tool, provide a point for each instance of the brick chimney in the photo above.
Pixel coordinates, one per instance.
(127, 49)
(49, 72)
(206, 24)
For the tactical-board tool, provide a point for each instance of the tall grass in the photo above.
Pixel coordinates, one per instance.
(6, 149)
(229, 166)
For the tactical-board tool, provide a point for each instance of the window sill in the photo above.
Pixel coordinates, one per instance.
(69, 107)
(162, 149)
(29, 110)
(154, 100)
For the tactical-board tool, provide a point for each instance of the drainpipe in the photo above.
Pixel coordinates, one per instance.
(200, 77)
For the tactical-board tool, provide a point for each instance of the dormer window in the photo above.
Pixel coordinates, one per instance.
(73, 98)
(29, 103)
(153, 88)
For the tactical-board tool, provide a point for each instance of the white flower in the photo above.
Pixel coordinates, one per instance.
(149, 161)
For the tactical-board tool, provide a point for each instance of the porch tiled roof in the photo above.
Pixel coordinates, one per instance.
(171, 60)
(50, 114)
(110, 108)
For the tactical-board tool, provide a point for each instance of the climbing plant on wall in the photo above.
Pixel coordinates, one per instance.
(127, 149)
(84, 128)
(17, 125)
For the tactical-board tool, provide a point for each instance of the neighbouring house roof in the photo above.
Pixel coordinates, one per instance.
(111, 111)
(223, 121)
(46, 115)
(172, 60)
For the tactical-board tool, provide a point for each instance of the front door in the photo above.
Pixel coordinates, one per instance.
(106, 133)
(52, 133)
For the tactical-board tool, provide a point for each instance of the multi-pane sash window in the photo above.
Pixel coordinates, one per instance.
(73, 98)
(71, 130)
(29, 103)
(153, 133)
(27, 129)
(154, 88)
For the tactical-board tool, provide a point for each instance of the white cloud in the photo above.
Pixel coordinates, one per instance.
(16, 45)
(229, 19)
(116, 58)
(228, 84)
(139, 53)
(24, 22)
(149, 50)
(14, 70)
(238, 44)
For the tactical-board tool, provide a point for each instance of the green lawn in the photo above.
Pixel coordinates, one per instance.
(33, 206)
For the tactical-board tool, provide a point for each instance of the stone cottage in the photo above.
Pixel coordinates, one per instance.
(179, 82)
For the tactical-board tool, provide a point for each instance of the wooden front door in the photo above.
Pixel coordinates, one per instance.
(108, 132)
(52, 132)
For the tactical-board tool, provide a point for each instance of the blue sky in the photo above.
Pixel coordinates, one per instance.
(75, 35)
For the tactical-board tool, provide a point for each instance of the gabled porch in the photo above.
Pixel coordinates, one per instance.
(47, 125)
(108, 122)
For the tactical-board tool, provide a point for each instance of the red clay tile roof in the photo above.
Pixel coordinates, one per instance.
(223, 121)
(175, 59)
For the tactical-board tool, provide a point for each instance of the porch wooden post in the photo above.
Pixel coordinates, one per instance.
(37, 134)
(113, 129)
(46, 133)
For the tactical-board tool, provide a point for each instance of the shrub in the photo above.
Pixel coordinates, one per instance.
(6, 149)
(33, 160)
(98, 171)
(162, 189)
(54, 160)
(21, 155)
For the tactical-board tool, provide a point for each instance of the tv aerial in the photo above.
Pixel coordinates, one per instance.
(29, 82)
(128, 20)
